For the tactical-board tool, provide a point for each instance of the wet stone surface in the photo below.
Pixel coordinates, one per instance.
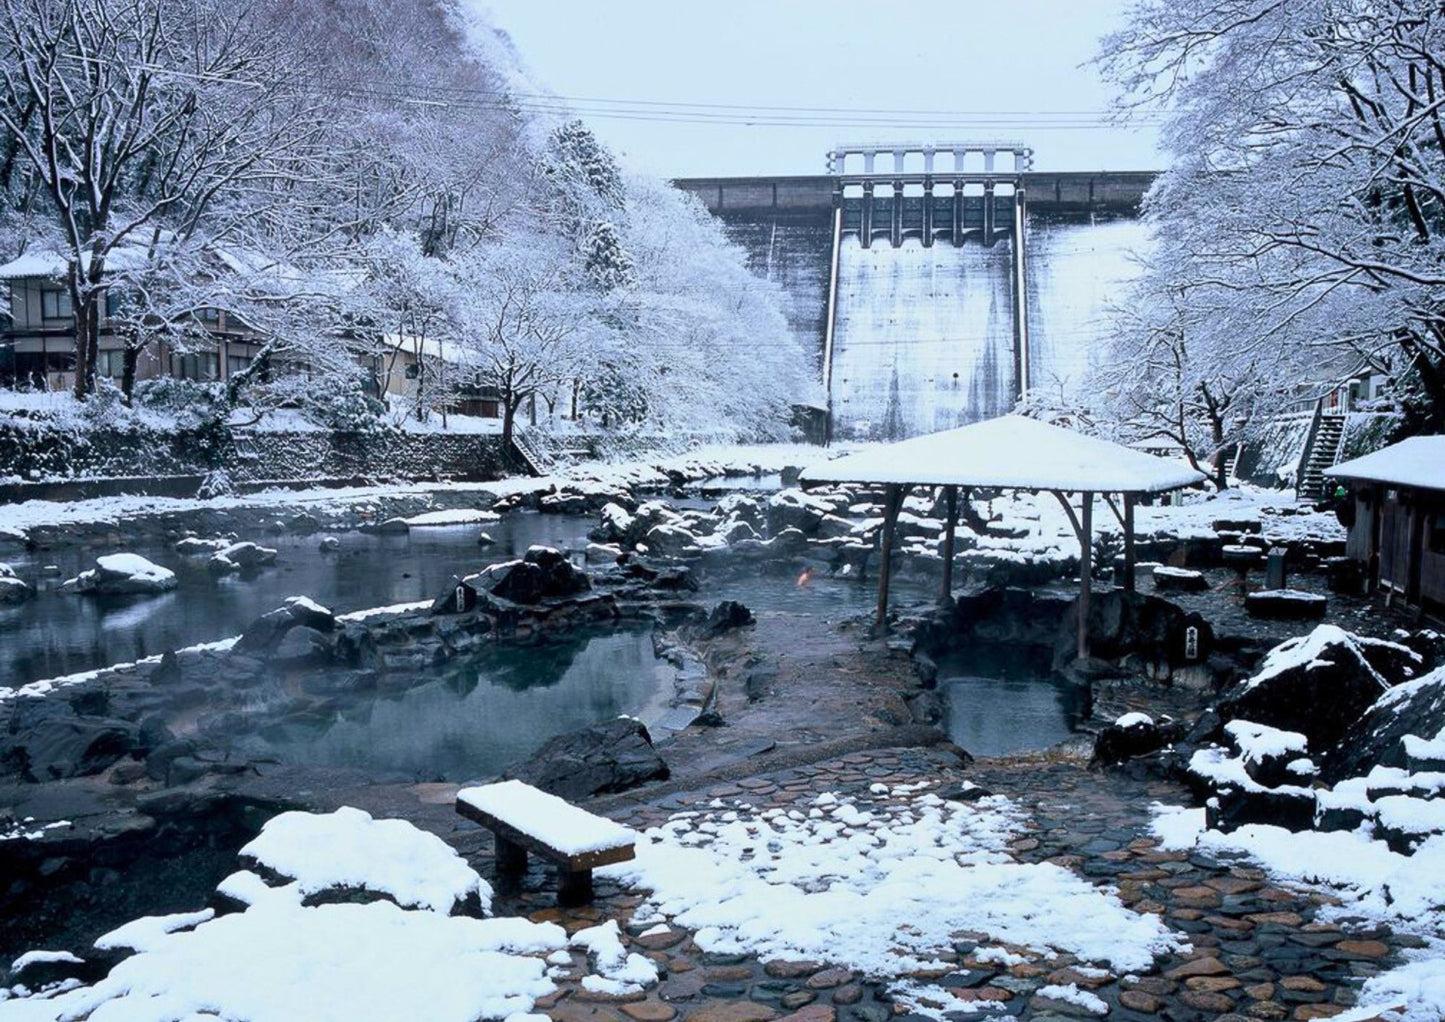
(1259, 951)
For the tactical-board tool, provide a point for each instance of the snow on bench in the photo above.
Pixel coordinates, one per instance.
(523, 819)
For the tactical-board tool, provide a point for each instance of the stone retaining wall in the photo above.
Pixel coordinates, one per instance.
(69, 464)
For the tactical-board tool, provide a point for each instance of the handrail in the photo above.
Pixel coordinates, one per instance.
(1304, 458)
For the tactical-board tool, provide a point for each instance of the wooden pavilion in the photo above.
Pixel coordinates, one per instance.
(1011, 453)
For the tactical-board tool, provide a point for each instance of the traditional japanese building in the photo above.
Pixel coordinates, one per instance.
(1395, 511)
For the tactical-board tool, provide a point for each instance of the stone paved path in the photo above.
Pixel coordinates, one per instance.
(1258, 951)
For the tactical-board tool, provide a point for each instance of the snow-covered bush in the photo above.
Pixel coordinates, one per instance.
(187, 401)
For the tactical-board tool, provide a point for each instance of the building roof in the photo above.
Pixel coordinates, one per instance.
(1011, 452)
(35, 263)
(48, 264)
(1418, 461)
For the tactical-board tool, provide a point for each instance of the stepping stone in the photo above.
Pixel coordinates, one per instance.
(1167, 579)
(733, 1011)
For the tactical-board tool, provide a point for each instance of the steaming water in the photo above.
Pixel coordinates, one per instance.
(1003, 701)
(61, 633)
(473, 719)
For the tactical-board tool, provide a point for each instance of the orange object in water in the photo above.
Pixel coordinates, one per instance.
(805, 577)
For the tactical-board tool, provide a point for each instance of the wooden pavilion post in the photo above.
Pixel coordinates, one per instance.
(950, 494)
(892, 504)
(1086, 567)
(1129, 560)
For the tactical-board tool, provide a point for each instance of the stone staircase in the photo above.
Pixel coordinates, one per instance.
(533, 455)
(1321, 452)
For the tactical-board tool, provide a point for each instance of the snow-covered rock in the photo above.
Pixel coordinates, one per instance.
(1167, 578)
(457, 516)
(1396, 726)
(196, 546)
(117, 574)
(279, 961)
(614, 521)
(240, 557)
(348, 850)
(1319, 684)
(13, 589)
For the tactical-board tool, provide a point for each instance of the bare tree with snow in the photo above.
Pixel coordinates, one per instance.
(1308, 180)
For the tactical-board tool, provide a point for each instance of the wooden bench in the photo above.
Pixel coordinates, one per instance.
(524, 819)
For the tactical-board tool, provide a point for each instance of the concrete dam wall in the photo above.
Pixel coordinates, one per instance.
(923, 337)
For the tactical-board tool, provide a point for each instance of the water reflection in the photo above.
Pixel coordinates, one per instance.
(61, 633)
(473, 720)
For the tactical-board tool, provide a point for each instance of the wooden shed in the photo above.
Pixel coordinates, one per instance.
(1397, 519)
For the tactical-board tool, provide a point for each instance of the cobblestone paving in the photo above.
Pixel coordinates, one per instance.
(1258, 950)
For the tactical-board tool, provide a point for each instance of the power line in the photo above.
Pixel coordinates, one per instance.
(442, 96)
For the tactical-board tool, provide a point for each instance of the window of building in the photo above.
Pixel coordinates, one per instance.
(55, 304)
(1435, 535)
(236, 364)
(210, 315)
(33, 367)
(203, 365)
(110, 362)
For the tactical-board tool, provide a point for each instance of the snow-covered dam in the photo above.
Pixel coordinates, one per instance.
(921, 329)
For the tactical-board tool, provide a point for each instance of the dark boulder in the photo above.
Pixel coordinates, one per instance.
(1143, 632)
(1318, 684)
(1377, 737)
(612, 756)
(301, 645)
(311, 614)
(994, 615)
(541, 574)
(47, 740)
(1131, 736)
(726, 616)
(265, 636)
(1233, 807)
(926, 707)
(787, 543)
(262, 635)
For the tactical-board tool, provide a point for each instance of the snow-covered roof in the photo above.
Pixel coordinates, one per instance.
(1011, 452)
(49, 264)
(1418, 461)
(431, 347)
(35, 263)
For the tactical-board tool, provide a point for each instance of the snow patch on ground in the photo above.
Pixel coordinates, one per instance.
(278, 962)
(879, 885)
(1371, 880)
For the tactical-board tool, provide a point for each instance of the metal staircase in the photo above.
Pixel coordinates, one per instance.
(1322, 451)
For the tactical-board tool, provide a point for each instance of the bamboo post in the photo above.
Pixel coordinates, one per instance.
(951, 495)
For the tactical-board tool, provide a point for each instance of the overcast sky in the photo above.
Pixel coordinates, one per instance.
(968, 70)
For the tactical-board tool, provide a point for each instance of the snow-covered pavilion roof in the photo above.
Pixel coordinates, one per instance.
(1418, 461)
(1011, 452)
